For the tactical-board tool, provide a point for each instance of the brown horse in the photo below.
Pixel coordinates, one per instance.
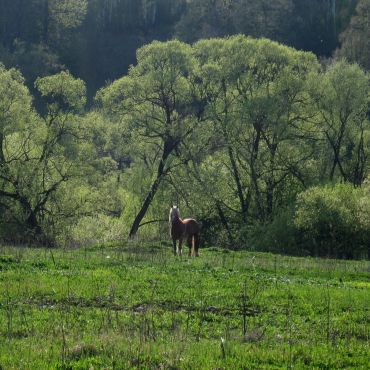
(187, 229)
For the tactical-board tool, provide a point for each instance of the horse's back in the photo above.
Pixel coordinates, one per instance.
(188, 221)
(192, 225)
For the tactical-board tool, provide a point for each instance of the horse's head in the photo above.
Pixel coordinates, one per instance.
(174, 214)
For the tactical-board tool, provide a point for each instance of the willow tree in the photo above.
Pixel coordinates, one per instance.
(155, 102)
(270, 84)
(15, 111)
(340, 96)
(255, 91)
(38, 154)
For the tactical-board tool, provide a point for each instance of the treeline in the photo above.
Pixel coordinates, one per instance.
(262, 144)
(97, 39)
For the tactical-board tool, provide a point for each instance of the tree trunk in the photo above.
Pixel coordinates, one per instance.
(270, 183)
(243, 203)
(358, 175)
(224, 222)
(2, 157)
(254, 175)
(167, 149)
(33, 224)
(31, 220)
(234, 167)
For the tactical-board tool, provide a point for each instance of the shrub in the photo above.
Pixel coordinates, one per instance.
(278, 236)
(334, 220)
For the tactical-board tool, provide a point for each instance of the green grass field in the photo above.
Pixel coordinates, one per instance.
(116, 307)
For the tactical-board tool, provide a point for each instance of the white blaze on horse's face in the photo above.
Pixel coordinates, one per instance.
(174, 214)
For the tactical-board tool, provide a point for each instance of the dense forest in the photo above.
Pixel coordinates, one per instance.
(266, 142)
(96, 40)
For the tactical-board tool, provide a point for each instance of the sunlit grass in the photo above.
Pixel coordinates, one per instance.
(120, 307)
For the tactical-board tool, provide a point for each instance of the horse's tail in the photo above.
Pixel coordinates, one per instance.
(196, 242)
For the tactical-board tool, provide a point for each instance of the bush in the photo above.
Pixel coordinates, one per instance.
(97, 229)
(334, 220)
(278, 236)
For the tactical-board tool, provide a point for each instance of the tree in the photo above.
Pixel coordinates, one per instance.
(255, 91)
(205, 19)
(340, 98)
(15, 110)
(355, 40)
(34, 60)
(39, 154)
(155, 101)
(263, 18)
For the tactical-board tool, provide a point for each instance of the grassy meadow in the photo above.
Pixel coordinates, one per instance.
(123, 307)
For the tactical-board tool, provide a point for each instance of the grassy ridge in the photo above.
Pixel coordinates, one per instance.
(115, 307)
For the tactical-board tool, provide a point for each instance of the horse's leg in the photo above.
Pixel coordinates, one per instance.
(189, 243)
(174, 246)
(180, 246)
(196, 244)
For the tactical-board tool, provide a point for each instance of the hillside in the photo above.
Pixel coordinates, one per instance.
(97, 39)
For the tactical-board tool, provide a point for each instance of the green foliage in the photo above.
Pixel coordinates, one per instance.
(63, 92)
(155, 102)
(40, 155)
(335, 219)
(312, 26)
(97, 39)
(280, 235)
(232, 129)
(34, 60)
(67, 14)
(15, 100)
(341, 98)
(255, 90)
(355, 44)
